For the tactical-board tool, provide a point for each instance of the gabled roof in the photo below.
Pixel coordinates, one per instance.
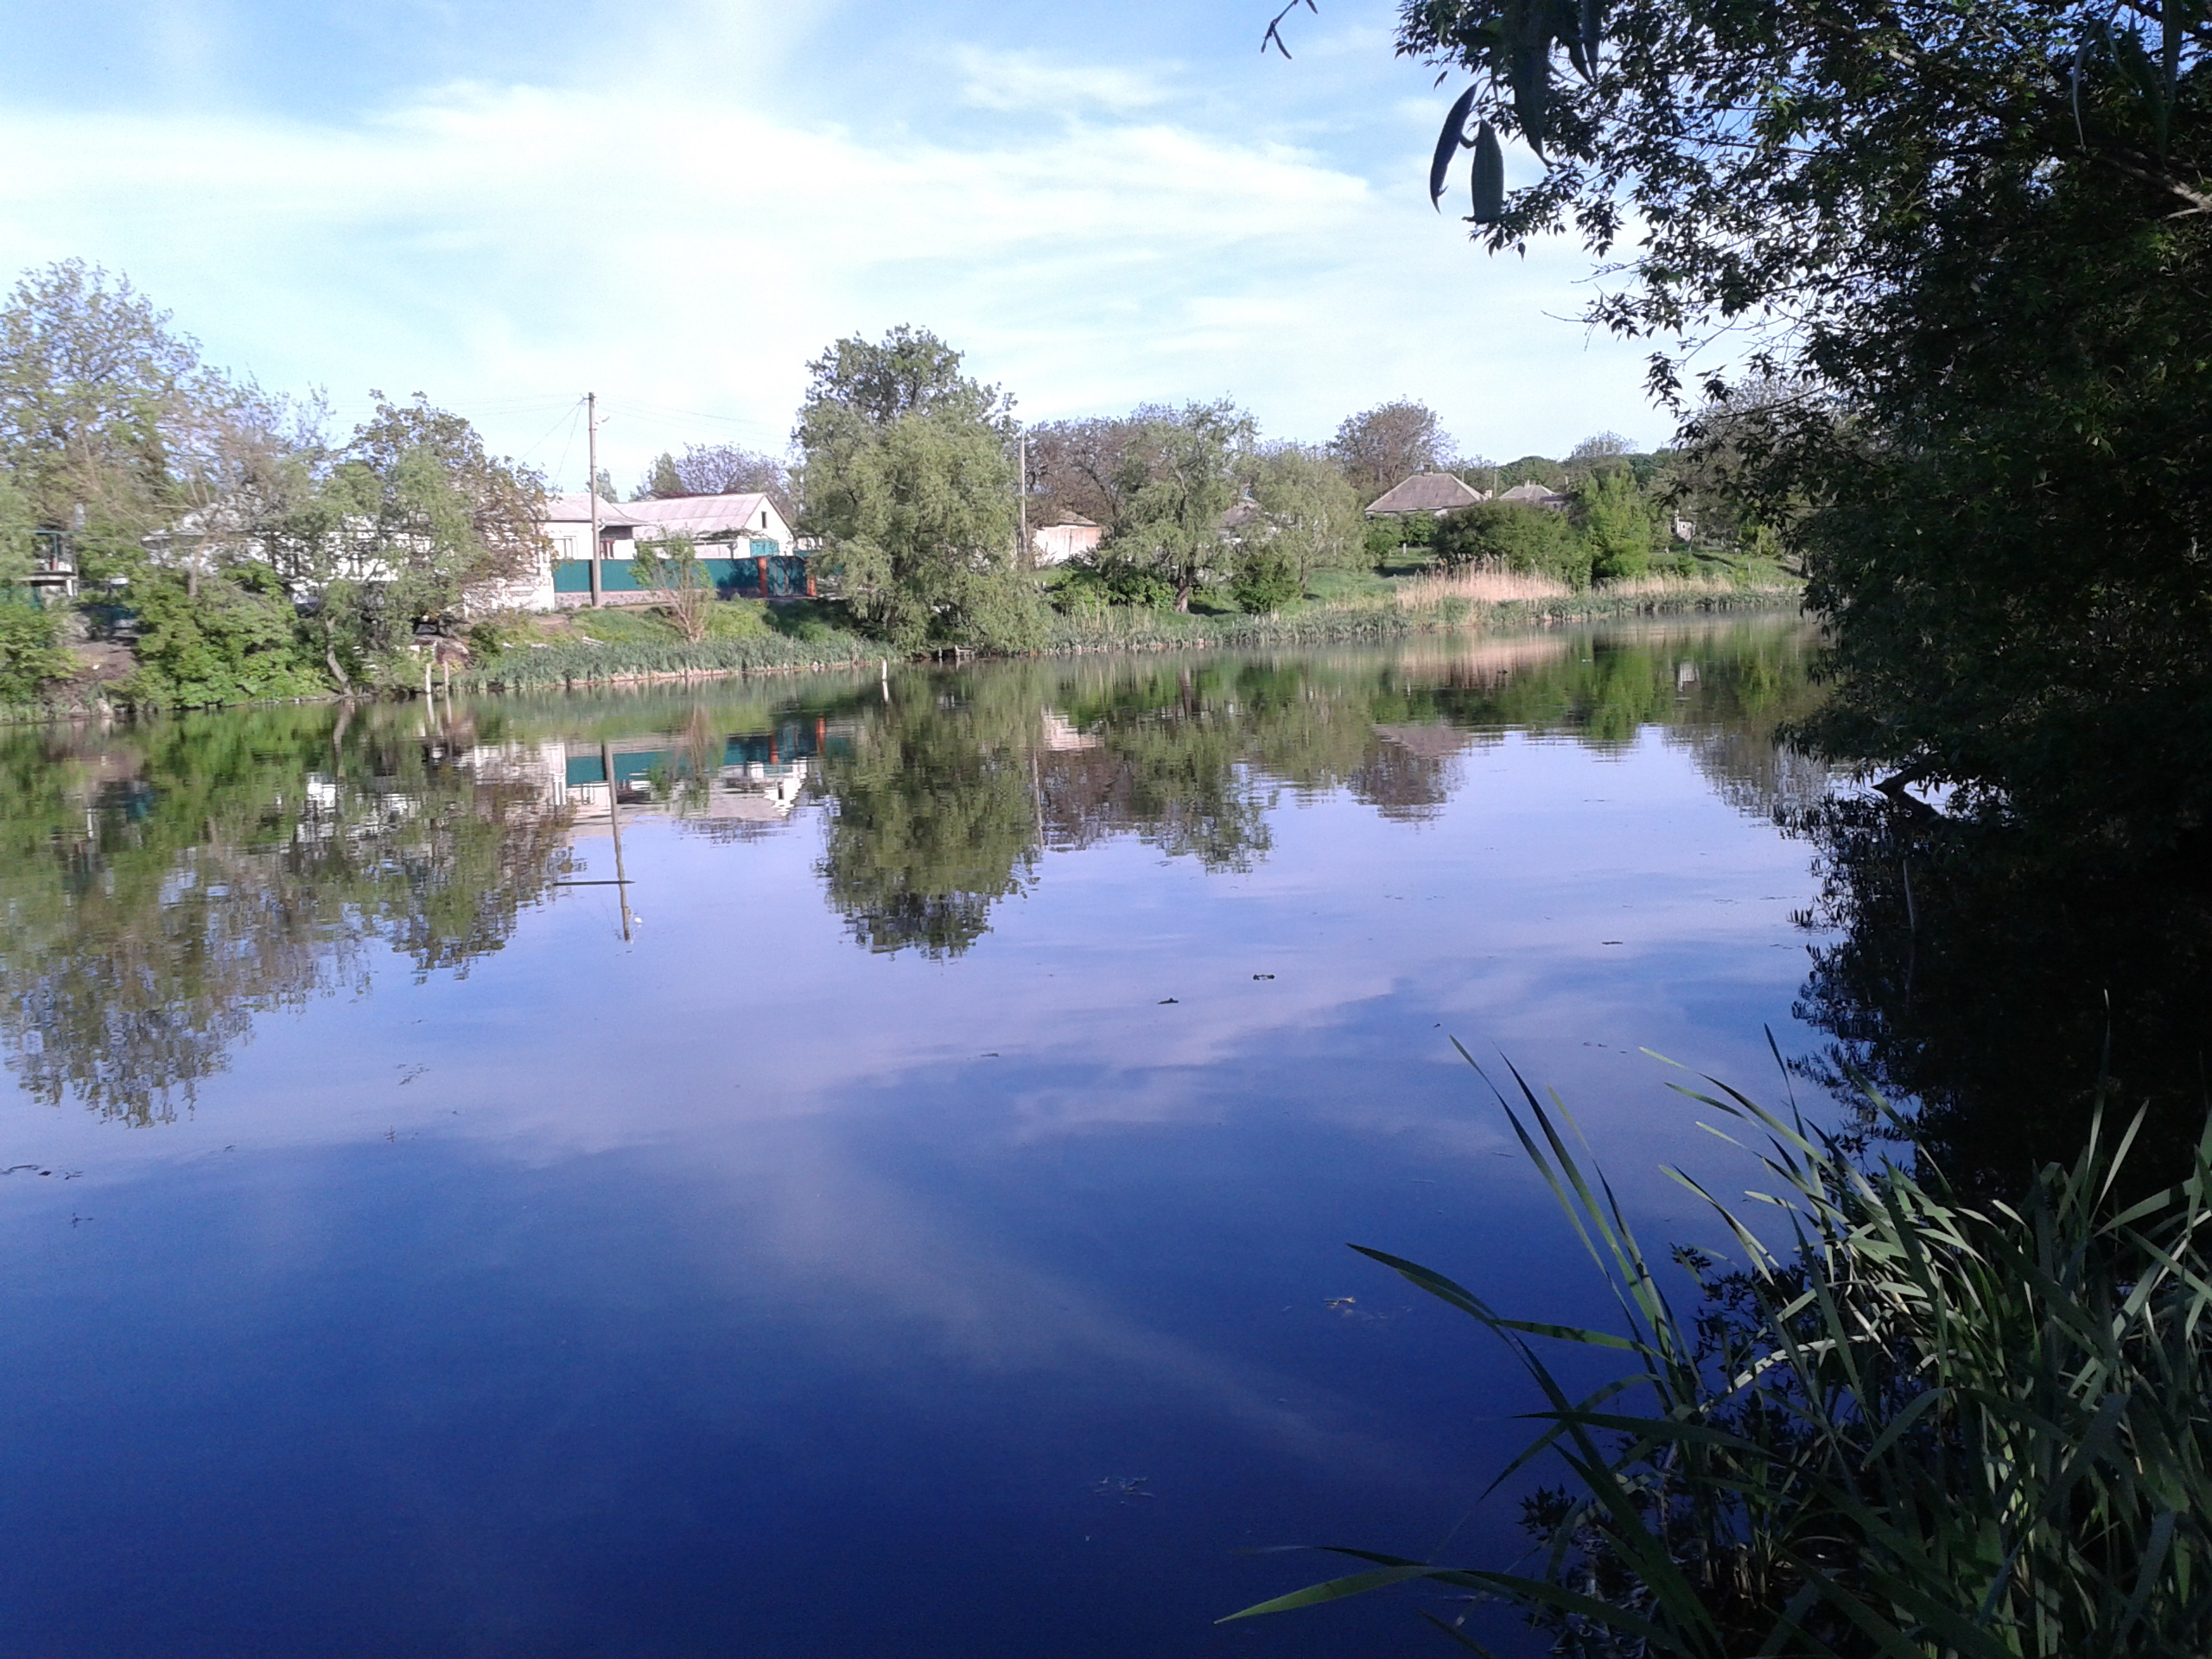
(1426, 492)
(1533, 493)
(573, 507)
(703, 515)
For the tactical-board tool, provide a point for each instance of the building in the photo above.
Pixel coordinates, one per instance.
(1058, 543)
(1534, 495)
(744, 544)
(1431, 492)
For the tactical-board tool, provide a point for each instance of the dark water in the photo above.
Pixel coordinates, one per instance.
(895, 1206)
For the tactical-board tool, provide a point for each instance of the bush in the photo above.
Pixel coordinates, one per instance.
(31, 658)
(1384, 540)
(1503, 535)
(1114, 582)
(1265, 583)
(235, 639)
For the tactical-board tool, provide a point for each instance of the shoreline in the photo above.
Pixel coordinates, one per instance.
(1130, 632)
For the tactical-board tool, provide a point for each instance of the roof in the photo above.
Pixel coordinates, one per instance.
(701, 515)
(1536, 493)
(1426, 492)
(573, 507)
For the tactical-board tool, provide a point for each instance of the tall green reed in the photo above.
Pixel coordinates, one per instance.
(1921, 1427)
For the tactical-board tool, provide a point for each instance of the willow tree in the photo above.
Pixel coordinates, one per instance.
(910, 486)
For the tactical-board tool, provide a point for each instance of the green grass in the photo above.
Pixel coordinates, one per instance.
(1922, 1428)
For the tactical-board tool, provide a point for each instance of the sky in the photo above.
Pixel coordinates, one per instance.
(678, 203)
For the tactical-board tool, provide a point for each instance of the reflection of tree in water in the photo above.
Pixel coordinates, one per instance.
(958, 780)
(163, 884)
(1981, 977)
(931, 817)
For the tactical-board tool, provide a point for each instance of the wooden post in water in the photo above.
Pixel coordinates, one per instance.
(614, 824)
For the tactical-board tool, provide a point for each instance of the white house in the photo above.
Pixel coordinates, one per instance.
(742, 539)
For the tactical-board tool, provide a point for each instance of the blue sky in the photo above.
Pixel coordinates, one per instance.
(677, 204)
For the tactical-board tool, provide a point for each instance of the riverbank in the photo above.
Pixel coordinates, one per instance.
(1485, 603)
(1434, 605)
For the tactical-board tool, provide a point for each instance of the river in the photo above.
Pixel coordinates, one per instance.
(876, 1180)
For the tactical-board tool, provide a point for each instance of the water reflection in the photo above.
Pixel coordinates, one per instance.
(165, 883)
(1991, 982)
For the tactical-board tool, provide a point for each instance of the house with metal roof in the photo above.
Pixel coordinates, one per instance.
(744, 544)
(1425, 493)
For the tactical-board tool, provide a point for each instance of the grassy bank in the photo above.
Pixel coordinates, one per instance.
(629, 646)
(636, 648)
(1423, 605)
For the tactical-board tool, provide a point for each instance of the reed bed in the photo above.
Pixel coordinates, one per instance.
(1483, 587)
(1922, 1428)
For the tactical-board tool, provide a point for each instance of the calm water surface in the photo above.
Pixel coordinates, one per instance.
(878, 1185)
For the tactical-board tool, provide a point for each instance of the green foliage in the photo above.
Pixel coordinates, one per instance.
(1618, 526)
(1179, 479)
(1926, 1428)
(1505, 535)
(1380, 539)
(31, 657)
(911, 488)
(1309, 512)
(1532, 469)
(1265, 581)
(1111, 580)
(232, 637)
(1417, 530)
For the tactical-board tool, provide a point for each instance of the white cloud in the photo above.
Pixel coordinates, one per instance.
(675, 242)
(1025, 81)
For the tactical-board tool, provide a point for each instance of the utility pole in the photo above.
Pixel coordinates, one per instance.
(591, 485)
(1026, 558)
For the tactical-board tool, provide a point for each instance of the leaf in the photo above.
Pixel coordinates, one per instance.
(1449, 143)
(1488, 177)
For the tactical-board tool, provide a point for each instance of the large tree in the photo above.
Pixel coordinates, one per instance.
(429, 513)
(1179, 476)
(1381, 447)
(1309, 512)
(910, 486)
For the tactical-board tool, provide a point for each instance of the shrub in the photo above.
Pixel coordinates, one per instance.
(1503, 535)
(1265, 583)
(31, 658)
(236, 639)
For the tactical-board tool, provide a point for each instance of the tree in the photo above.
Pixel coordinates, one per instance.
(1178, 478)
(1379, 447)
(911, 487)
(429, 514)
(1617, 525)
(1985, 233)
(1079, 470)
(112, 428)
(669, 566)
(1310, 515)
(872, 383)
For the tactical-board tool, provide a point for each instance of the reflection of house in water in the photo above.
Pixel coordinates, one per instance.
(751, 778)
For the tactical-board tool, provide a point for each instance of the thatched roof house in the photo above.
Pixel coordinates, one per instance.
(1424, 493)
